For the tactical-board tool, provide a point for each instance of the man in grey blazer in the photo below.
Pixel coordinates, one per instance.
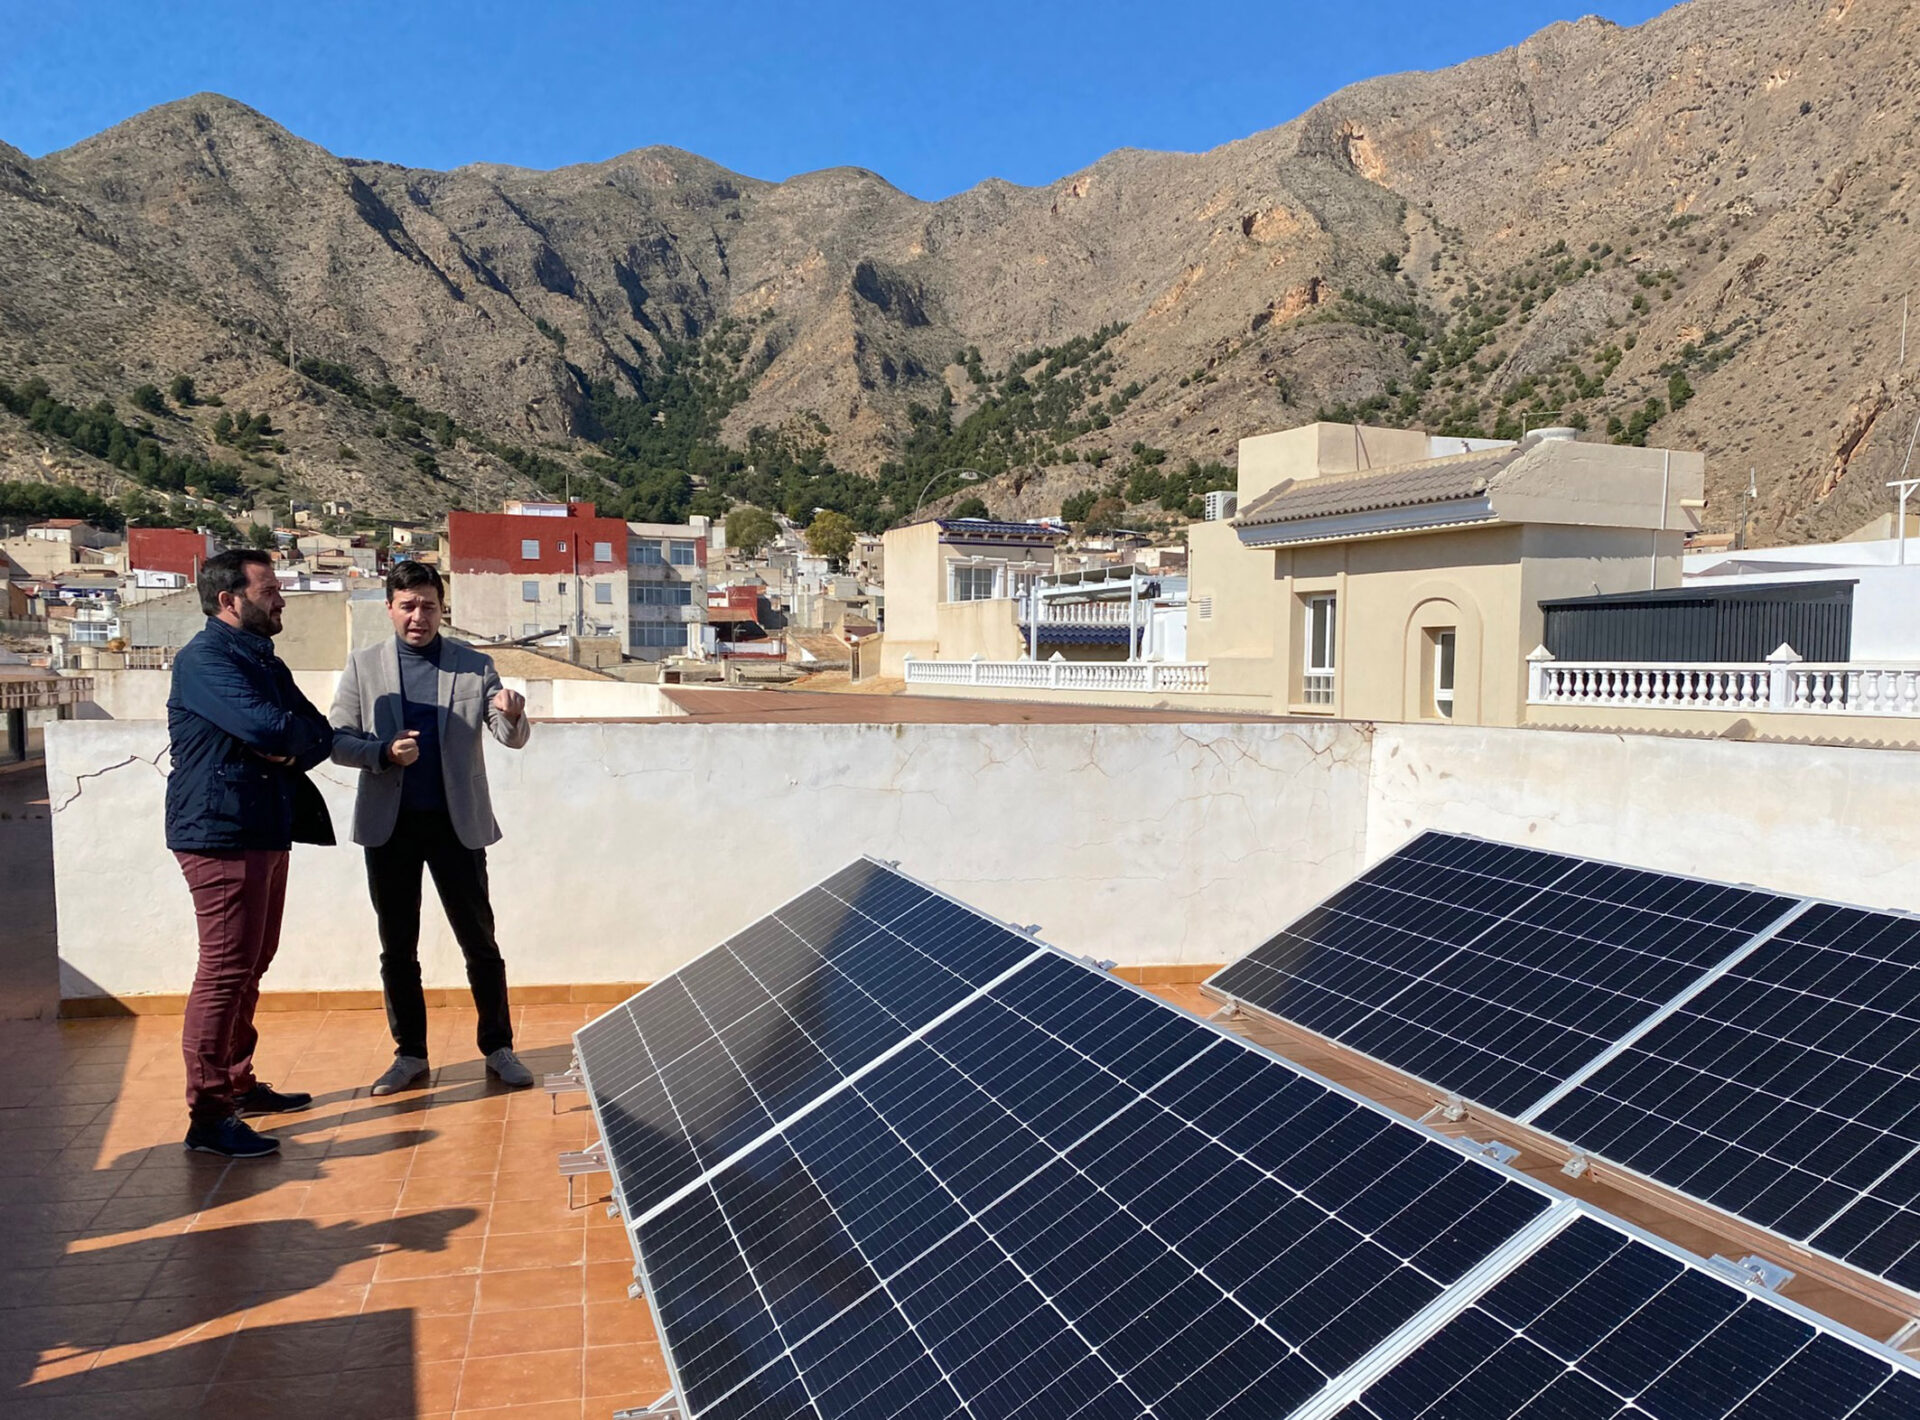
(409, 715)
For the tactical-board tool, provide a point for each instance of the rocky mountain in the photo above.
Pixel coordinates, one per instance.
(1695, 232)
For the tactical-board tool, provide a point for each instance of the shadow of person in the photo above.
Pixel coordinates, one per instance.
(361, 1366)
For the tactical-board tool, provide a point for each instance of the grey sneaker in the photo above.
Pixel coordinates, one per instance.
(506, 1065)
(405, 1070)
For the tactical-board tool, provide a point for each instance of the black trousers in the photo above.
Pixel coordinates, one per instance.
(460, 875)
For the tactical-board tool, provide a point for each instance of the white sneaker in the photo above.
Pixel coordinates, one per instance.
(405, 1070)
(506, 1066)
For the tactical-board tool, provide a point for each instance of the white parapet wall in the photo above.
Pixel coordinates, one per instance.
(630, 848)
(1805, 819)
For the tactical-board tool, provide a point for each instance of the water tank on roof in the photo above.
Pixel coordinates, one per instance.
(1549, 434)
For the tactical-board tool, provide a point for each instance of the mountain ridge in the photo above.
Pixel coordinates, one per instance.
(1699, 213)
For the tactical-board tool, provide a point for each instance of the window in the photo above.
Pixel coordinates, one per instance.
(603, 552)
(530, 548)
(1443, 673)
(681, 553)
(662, 594)
(1317, 682)
(972, 584)
(603, 593)
(529, 591)
(528, 628)
(656, 633)
(644, 554)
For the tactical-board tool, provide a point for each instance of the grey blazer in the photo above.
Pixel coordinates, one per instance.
(369, 714)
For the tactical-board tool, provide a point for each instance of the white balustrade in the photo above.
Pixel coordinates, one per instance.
(1175, 677)
(1781, 683)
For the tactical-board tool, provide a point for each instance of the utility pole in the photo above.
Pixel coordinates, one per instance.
(1746, 510)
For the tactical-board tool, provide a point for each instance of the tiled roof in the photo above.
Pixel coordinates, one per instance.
(1401, 486)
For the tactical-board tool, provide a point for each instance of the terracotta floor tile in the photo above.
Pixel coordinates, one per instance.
(72, 1324)
(310, 1304)
(542, 1182)
(506, 1333)
(548, 1214)
(623, 1323)
(306, 1348)
(361, 1195)
(516, 1250)
(426, 1296)
(631, 1375)
(446, 1192)
(540, 1410)
(460, 1255)
(608, 1281)
(530, 1287)
(529, 1378)
(390, 1393)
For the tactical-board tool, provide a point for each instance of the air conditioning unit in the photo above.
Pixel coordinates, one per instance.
(1222, 504)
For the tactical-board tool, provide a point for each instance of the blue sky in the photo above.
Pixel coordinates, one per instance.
(934, 97)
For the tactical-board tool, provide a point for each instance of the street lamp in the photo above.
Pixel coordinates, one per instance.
(967, 475)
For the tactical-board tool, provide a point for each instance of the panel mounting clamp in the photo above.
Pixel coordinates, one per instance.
(577, 1163)
(1577, 1165)
(1752, 1271)
(1493, 1149)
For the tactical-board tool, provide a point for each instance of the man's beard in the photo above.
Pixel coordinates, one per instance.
(258, 620)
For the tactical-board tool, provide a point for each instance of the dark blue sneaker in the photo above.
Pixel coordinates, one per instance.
(231, 1138)
(265, 1099)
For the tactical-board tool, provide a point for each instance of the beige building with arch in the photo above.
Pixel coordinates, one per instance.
(1369, 574)
(1388, 574)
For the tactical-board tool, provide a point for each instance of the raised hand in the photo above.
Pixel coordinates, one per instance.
(405, 750)
(509, 702)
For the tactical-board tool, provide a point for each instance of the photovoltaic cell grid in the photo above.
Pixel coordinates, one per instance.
(1492, 971)
(705, 1061)
(1064, 1200)
(1597, 1324)
(1787, 1092)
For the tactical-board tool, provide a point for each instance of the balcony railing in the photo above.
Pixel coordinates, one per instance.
(1080, 614)
(1782, 684)
(1153, 677)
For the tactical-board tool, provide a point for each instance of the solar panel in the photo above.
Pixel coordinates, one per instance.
(688, 1071)
(1598, 1324)
(1069, 1197)
(1040, 1193)
(1491, 971)
(1787, 1091)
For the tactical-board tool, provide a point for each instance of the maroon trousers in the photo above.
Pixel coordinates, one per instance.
(237, 901)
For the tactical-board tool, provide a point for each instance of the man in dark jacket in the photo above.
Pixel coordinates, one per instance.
(242, 738)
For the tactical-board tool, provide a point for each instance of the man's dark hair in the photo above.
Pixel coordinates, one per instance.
(409, 576)
(227, 572)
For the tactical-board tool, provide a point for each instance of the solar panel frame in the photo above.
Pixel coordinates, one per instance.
(1538, 878)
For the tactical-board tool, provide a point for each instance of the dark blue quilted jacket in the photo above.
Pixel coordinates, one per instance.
(232, 695)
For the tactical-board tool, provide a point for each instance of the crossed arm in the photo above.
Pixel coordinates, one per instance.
(219, 692)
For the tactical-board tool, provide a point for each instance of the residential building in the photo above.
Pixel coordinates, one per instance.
(1369, 573)
(666, 588)
(536, 569)
(181, 551)
(539, 569)
(74, 533)
(940, 575)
